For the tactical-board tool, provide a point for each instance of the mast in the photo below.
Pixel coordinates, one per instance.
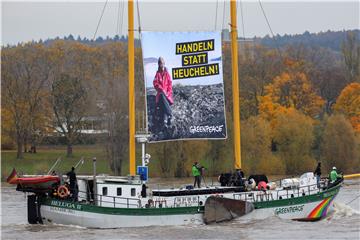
(131, 87)
(235, 86)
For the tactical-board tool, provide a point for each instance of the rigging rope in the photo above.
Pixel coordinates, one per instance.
(272, 33)
(222, 26)
(267, 20)
(122, 17)
(138, 15)
(217, 4)
(242, 19)
(102, 14)
(117, 32)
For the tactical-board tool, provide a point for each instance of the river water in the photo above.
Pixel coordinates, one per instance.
(343, 223)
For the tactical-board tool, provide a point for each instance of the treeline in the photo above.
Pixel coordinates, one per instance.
(329, 39)
(299, 105)
(97, 41)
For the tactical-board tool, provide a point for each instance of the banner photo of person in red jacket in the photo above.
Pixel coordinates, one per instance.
(184, 85)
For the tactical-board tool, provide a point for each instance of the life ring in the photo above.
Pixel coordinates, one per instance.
(63, 191)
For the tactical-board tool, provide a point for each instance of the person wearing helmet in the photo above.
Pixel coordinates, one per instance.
(333, 175)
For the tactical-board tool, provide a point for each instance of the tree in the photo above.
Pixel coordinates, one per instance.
(348, 104)
(293, 135)
(7, 130)
(256, 149)
(291, 89)
(338, 145)
(114, 92)
(25, 74)
(351, 53)
(323, 68)
(69, 103)
(258, 66)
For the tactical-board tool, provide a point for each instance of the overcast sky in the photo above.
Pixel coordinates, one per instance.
(26, 21)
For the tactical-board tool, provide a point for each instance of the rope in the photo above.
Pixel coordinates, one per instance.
(353, 200)
(122, 17)
(118, 19)
(102, 14)
(217, 4)
(242, 19)
(272, 33)
(222, 26)
(138, 15)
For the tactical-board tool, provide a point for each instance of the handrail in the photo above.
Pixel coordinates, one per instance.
(251, 196)
(298, 191)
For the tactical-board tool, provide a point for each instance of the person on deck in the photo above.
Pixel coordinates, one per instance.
(334, 175)
(239, 175)
(73, 183)
(197, 174)
(164, 97)
(317, 173)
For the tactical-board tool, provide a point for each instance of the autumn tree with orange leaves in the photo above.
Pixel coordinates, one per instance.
(348, 103)
(290, 90)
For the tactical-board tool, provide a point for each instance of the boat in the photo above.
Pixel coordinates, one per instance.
(121, 202)
(38, 183)
(104, 201)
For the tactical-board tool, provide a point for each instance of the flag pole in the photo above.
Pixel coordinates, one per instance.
(235, 86)
(131, 87)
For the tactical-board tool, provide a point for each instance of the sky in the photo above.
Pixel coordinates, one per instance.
(26, 21)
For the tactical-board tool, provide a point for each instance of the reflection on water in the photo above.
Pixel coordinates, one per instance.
(343, 223)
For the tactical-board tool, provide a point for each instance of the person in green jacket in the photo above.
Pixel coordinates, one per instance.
(333, 175)
(197, 175)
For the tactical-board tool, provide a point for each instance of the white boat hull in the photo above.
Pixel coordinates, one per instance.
(66, 216)
(70, 215)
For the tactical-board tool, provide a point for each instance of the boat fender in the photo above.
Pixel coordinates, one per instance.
(270, 186)
(151, 203)
(63, 191)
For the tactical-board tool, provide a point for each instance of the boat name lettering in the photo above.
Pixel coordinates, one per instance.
(63, 210)
(66, 205)
(285, 210)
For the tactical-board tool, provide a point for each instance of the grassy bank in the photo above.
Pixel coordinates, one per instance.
(45, 157)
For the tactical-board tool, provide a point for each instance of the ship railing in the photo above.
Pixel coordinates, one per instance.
(113, 201)
(269, 195)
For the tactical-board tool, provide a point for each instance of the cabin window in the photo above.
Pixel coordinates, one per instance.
(104, 191)
(119, 191)
(133, 192)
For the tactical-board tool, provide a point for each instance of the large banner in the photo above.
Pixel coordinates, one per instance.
(184, 85)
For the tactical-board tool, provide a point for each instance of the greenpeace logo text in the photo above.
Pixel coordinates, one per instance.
(206, 129)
